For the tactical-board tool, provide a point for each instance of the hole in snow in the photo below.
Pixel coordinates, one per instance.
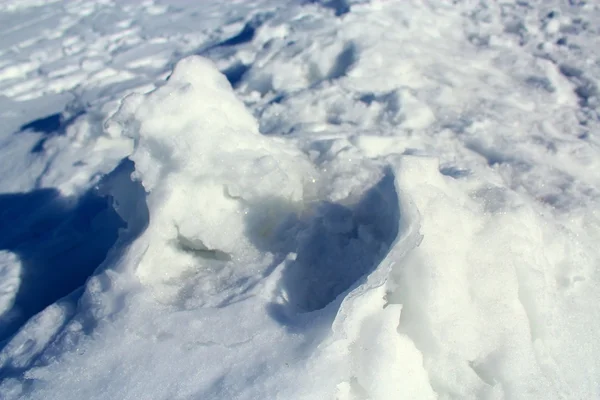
(337, 246)
(235, 73)
(344, 61)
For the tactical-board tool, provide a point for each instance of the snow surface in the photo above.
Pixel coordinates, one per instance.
(299, 199)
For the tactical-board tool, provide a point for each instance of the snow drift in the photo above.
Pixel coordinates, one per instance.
(311, 269)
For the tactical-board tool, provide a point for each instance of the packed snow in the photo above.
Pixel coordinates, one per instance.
(299, 199)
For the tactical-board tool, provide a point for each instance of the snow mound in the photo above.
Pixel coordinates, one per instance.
(215, 185)
(241, 227)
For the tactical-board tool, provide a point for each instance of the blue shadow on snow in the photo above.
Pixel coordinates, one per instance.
(61, 241)
(336, 247)
(51, 125)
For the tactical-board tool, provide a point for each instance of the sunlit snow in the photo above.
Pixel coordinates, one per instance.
(299, 199)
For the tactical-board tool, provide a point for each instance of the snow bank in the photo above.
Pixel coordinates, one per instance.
(313, 269)
(481, 297)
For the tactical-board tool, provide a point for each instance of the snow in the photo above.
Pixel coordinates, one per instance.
(9, 271)
(215, 183)
(299, 200)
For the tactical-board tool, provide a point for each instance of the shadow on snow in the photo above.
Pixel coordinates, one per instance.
(60, 241)
(49, 126)
(336, 247)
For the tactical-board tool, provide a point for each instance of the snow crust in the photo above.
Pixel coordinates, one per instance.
(308, 200)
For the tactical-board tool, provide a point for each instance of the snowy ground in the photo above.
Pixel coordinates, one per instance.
(296, 199)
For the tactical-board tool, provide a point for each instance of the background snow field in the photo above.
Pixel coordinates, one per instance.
(299, 199)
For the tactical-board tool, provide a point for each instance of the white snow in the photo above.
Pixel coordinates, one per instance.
(263, 199)
(215, 183)
(9, 271)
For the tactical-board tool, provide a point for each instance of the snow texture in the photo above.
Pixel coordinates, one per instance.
(299, 199)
